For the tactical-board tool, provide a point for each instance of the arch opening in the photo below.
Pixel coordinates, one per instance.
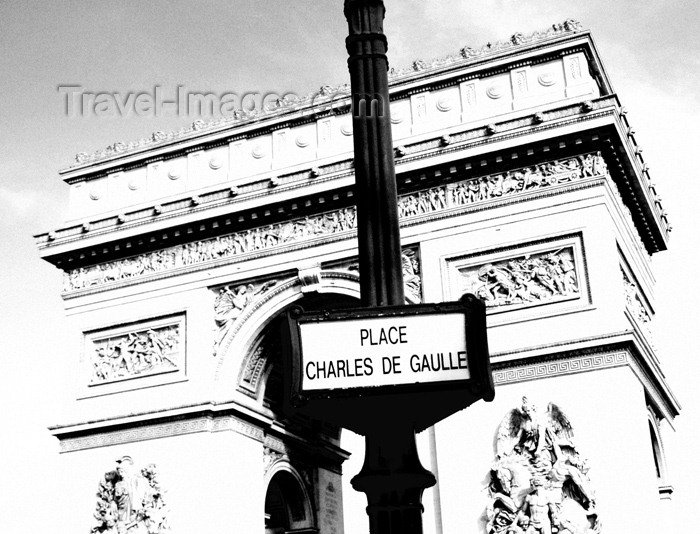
(272, 388)
(304, 453)
(287, 509)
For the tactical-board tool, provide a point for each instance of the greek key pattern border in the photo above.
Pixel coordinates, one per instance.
(560, 367)
(161, 430)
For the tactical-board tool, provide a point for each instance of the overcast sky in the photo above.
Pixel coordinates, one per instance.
(651, 51)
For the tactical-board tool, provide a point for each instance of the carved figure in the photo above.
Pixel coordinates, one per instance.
(539, 482)
(539, 510)
(129, 501)
(137, 352)
(498, 283)
(229, 305)
(525, 279)
(503, 511)
(411, 277)
(435, 199)
(127, 491)
(637, 308)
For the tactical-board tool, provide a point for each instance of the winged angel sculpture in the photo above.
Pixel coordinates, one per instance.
(229, 305)
(538, 481)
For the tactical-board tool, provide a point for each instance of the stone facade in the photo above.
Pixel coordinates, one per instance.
(517, 181)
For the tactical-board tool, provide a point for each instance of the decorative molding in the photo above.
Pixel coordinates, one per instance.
(503, 184)
(269, 349)
(275, 444)
(271, 457)
(536, 371)
(258, 152)
(327, 95)
(496, 91)
(445, 104)
(144, 349)
(310, 279)
(547, 79)
(215, 163)
(397, 116)
(237, 245)
(491, 48)
(146, 432)
(257, 189)
(539, 480)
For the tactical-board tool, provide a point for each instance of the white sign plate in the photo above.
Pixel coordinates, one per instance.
(383, 351)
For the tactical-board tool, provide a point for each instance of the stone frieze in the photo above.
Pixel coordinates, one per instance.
(434, 200)
(232, 301)
(142, 351)
(536, 278)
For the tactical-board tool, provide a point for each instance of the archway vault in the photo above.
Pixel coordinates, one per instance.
(288, 500)
(301, 457)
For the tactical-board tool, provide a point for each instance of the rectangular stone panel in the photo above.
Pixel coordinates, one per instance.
(133, 355)
(532, 275)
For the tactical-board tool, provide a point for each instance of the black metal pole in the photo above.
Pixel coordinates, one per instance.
(375, 180)
(392, 476)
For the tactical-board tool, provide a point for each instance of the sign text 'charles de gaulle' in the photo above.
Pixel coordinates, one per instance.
(348, 366)
(388, 350)
(383, 351)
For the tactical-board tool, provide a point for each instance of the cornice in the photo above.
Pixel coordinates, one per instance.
(206, 418)
(327, 97)
(328, 227)
(590, 354)
(267, 189)
(228, 209)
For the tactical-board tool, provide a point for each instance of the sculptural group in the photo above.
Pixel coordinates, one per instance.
(538, 483)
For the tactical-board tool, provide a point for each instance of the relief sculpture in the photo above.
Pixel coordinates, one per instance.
(410, 267)
(636, 308)
(199, 252)
(130, 501)
(533, 278)
(230, 303)
(433, 200)
(539, 481)
(135, 353)
(504, 184)
(412, 283)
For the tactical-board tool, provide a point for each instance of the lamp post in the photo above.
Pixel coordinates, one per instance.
(387, 407)
(392, 476)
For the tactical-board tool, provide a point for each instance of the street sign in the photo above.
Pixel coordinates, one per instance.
(378, 355)
(383, 350)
